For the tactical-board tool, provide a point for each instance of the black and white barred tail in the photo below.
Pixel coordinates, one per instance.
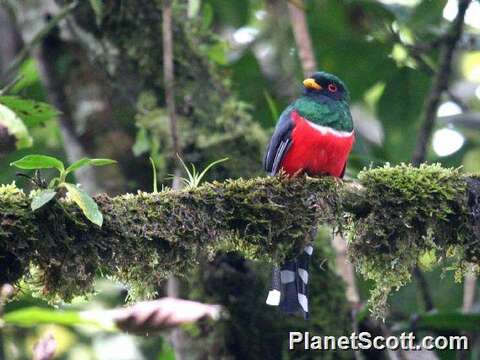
(290, 284)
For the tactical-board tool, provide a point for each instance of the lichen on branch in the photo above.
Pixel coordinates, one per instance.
(393, 217)
(409, 215)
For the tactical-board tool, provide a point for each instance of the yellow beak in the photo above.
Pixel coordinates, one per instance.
(311, 84)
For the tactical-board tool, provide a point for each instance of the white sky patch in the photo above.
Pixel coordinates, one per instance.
(401, 2)
(245, 35)
(447, 141)
(472, 17)
(117, 347)
(260, 14)
(448, 108)
(477, 92)
(475, 74)
(450, 10)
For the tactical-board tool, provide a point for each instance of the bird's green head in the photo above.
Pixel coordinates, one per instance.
(323, 86)
(325, 102)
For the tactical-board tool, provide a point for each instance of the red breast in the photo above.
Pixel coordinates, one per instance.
(317, 149)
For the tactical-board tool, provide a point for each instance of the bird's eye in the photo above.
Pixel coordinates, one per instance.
(332, 88)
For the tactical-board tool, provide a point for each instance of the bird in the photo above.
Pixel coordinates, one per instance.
(314, 135)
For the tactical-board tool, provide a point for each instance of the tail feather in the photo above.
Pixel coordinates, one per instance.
(289, 290)
(290, 284)
(276, 288)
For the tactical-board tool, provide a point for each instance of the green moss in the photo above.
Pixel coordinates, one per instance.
(394, 217)
(147, 237)
(406, 212)
(16, 230)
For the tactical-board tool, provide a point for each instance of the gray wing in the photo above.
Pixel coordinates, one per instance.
(279, 143)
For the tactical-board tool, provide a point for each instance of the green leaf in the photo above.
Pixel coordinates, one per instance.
(34, 315)
(29, 83)
(218, 53)
(194, 178)
(77, 165)
(42, 197)
(102, 162)
(167, 352)
(142, 142)
(428, 259)
(31, 162)
(207, 16)
(427, 12)
(86, 161)
(154, 170)
(272, 106)
(193, 8)
(98, 8)
(15, 128)
(31, 112)
(88, 206)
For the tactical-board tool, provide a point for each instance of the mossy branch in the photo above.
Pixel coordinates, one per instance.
(148, 236)
(393, 216)
(404, 216)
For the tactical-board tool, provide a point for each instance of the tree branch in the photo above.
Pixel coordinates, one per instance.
(440, 83)
(150, 236)
(177, 337)
(469, 290)
(151, 316)
(468, 120)
(27, 49)
(168, 73)
(48, 55)
(12, 41)
(302, 37)
(422, 286)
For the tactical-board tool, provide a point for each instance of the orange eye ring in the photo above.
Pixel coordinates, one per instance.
(332, 88)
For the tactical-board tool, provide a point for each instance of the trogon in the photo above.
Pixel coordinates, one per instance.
(314, 136)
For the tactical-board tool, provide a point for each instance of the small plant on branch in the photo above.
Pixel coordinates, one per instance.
(194, 177)
(154, 173)
(84, 201)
